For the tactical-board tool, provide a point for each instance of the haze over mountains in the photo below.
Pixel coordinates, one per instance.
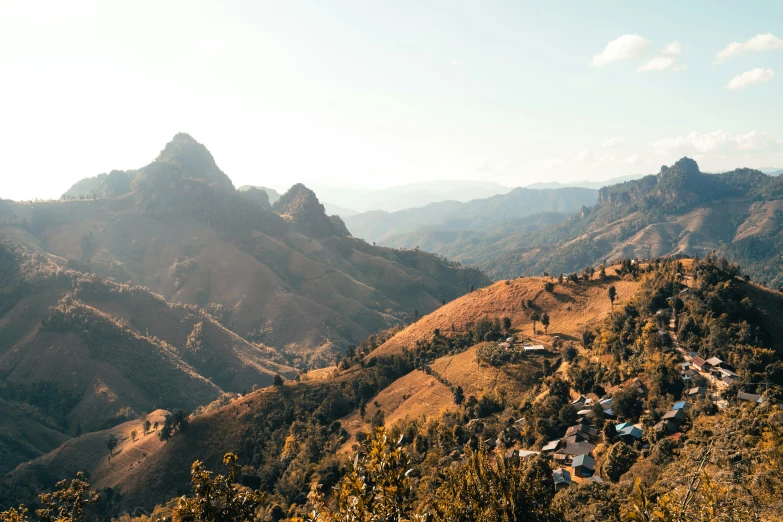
(527, 231)
(473, 215)
(285, 275)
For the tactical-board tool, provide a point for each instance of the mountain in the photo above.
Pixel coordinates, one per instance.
(412, 195)
(477, 214)
(288, 277)
(772, 171)
(584, 183)
(272, 194)
(680, 210)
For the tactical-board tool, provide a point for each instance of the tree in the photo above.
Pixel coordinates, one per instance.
(277, 380)
(612, 294)
(68, 501)
(174, 422)
(535, 317)
(459, 395)
(14, 515)
(376, 488)
(626, 404)
(545, 322)
(499, 489)
(219, 498)
(549, 287)
(560, 278)
(506, 324)
(111, 443)
(619, 459)
(146, 426)
(602, 272)
(567, 415)
(570, 354)
(133, 435)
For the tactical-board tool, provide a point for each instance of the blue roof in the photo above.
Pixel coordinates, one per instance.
(679, 405)
(620, 427)
(633, 431)
(583, 460)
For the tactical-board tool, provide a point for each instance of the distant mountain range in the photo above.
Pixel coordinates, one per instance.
(353, 200)
(680, 210)
(584, 183)
(390, 228)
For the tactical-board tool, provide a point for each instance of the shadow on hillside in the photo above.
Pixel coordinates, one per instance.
(564, 298)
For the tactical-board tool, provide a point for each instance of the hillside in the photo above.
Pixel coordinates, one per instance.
(445, 394)
(290, 277)
(571, 308)
(477, 214)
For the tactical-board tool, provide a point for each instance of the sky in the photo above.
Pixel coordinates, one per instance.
(380, 93)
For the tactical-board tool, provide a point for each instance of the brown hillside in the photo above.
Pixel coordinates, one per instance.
(418, 395)
(24, 435)
(570, 307)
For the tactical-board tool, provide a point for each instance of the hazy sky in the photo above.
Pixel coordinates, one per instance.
(382, 93)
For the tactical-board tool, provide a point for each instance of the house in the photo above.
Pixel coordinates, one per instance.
(700, 363)
(685, 365)
(566, 455)
(606, 403)
(491, 443)
(581, 432)
(750, 397)
(667, 426)
(697, 391)
(584, 465)
(688, 375)
(677, 416)
(534, 348)
(726, 375)
(620, 427)
(682, 405)
(638, 385)
(714, 361)
(630, 434)
(551, 446)
(579, 402)
(562, 478)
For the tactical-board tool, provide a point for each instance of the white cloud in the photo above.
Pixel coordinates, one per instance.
(623, 48)
(751, 77)
(718, 142)
(631, 160)
(760, 42)
(666, 59)
(613, 143)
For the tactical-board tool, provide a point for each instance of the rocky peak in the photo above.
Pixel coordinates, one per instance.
(194, 160)
(301, 206)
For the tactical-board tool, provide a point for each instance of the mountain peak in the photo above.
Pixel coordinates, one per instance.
(300, 205)
(194, 159)
(684, 165)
